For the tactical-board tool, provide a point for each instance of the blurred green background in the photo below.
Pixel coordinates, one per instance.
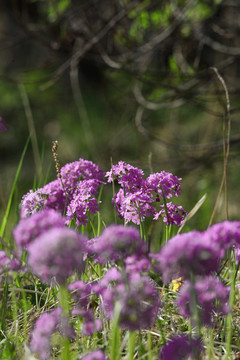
(138, 81)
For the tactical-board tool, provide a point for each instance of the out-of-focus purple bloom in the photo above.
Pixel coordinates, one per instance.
(163, 182)
(44, 327)
(185, 254)
(94, 355)
(76, 171)
(50, 196)
(83, 201)
(224, 235)
(2, 125)
(136, 295)
(33, 226)
(4, 261)
(175, 214)
(118, 241)
(57, 253)
(137, 264)
(182, 347)
(211, 295)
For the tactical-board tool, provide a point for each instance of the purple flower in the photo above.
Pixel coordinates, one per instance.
(181, 347)
(212, 296)
(163, 182)
(83, 201)
(94, 355)
(118, 241)
(185, 254)
(4, 261)
(44, 327)
(175, 214)
(79, 170)
(224, 235)
(129, 177)
(57, 253)
(134, 206)
(33, 226)
(31, 203)
(2, 125)
(137, 296)
(50, 196)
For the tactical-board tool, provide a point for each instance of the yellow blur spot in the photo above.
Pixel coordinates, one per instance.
(177, 283)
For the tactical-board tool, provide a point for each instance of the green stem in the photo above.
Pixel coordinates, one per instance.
(131, 344)
(115, 334)
(64, 303)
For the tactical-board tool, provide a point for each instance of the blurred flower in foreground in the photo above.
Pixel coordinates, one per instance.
(94, 355)
(186, 254)
(136, 294)
(212, 297)
(57, 253)
(2, 125)
(182, 347)
(30, 228)
(45, 326)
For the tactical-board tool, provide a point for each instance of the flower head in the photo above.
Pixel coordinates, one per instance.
(137, 296)
(57, 253)
(185, 254)
(76, 171)
(44, 327)
(181, 347)
(212, 297)
(33, 226)
(224, 235)
(118, 241)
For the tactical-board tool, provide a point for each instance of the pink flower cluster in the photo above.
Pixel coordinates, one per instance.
(139, 198)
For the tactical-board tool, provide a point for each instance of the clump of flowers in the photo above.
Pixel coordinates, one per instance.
(139, 198)
(182, 347)
(33, 226)
(211, 296)
(57, 253)
(136, 294)
(186, 254)
(224, 235)
(83, 201)
(44, 328)
(118, 242)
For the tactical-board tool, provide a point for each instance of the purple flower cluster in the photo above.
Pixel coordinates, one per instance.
(211, 295)
(136, 294)
(186, 254)
(182, 347)
(33, 226)
(83, 201)
(44, 328)
(57, 253)
(118, 242)
(139, 198)
(195, 256)
(73, 193)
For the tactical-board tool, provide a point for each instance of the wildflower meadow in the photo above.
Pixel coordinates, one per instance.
(74, 286)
